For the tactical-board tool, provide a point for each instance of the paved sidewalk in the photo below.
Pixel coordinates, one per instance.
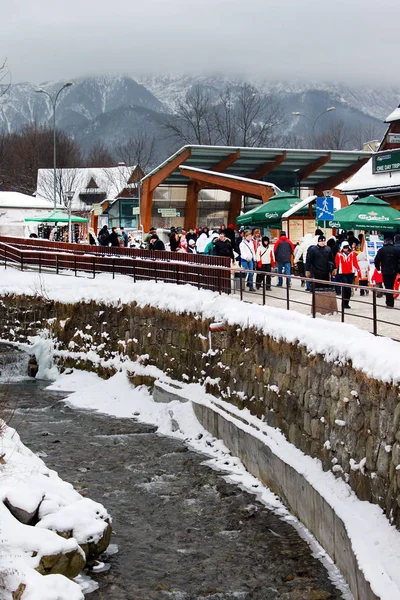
(360, 313)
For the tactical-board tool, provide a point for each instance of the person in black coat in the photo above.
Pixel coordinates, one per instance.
(155, 243)
(114, 238)
(387, 260)
(223, 247)
(319, 261)
(103, 236)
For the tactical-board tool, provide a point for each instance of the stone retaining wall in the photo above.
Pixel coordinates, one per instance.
(329, 411)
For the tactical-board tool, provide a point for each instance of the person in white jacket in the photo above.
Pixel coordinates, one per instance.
(201, 243)
(247, 258)
(265, 261)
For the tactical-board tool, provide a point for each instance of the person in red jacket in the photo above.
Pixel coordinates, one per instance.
(346, 266)
(283, 251)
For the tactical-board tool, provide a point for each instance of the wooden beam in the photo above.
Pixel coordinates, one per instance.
(267, 167)
(344, 174)
(226, 162)
(235, 205)
(146, 205)
(227, 183)
(192, 201)
(314, 166)
(160, 176)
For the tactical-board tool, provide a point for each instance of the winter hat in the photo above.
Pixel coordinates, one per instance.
(322, 238)
(282, 233)
(344, 245)
(192, 242)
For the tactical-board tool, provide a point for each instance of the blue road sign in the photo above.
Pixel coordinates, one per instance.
(325, 208)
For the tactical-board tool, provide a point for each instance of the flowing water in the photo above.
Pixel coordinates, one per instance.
(182, 532)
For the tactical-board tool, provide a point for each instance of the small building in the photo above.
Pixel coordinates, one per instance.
(15, 207)
(83, 188)
(380, 176)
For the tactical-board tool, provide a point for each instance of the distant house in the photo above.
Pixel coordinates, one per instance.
(15, 207)
(82, 188)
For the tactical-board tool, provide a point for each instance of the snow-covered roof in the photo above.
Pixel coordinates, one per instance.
(365, 179)
(394, 116)
(109, 181)
(18, 200)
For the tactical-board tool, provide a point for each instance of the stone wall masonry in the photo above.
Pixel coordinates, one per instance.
(328, 410)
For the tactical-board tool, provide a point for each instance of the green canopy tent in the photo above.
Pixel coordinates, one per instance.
(269, 214)
(369, 213)
(57, 216)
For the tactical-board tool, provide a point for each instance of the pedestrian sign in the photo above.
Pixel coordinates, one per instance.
(325, 208)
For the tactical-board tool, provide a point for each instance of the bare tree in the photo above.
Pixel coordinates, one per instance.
(365, 133)
(99, 156)
(193, 122)
(5, 78)
(139, 149)
(338, 136)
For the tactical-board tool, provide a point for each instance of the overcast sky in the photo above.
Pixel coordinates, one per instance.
(342, 40)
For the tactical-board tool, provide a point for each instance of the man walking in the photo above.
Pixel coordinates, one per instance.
(223, 246)
(283, 251)
(387, 260)
(319, 262)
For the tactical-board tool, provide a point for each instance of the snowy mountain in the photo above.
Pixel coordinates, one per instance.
(110, 108)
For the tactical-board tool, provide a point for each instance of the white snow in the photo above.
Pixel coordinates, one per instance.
(27, 484)
(377, 357)
(394, 116)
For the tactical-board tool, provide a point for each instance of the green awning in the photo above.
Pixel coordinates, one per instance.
(366, 213)
(57, 216)
(270, 213)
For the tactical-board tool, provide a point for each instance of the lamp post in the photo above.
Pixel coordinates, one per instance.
(53, 100)
(299, 114)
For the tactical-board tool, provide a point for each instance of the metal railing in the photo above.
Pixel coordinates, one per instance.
(204, 275)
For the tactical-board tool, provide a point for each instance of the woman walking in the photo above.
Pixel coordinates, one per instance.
(265, 259)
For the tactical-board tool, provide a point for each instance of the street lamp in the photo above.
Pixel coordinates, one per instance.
(53, 100)
(299, 114)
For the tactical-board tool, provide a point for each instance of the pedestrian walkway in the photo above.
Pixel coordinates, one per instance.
(360, 314)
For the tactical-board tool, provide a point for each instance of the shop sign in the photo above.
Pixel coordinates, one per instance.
(388, 161)
(394, 138)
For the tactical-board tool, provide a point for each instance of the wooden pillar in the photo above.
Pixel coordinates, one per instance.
(235, 206)
(192, 201)
(146, 205)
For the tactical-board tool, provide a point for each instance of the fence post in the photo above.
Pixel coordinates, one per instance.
(374, 315)
(313, 303)
(94, 267)
(263, 288)
(56, 264)
(134, 271)
(342, 311)
(75, 264)
(113, 268)
(40, 263)
(241, 285)
(219, 280)
(177, 273)
(287, 293)
(22, 262)
(5, 257)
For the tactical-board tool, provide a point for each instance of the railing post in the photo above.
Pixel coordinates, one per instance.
(113, 269)
(94, 267)
(75, 264)
(374, 315)
(40, 263)
(287, 294)
(56, 264)
(313, 302)
(263, 288)
(177, 273)
(219, 280)
(22, 262)
(5, 257)
(342, 311)
(241, 285)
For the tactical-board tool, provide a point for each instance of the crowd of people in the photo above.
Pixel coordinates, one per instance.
(336, 260)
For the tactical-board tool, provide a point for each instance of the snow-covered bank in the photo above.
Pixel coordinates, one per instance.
(375, 543)
(376, 357)
(35, 507)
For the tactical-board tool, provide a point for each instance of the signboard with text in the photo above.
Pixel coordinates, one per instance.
(388, 161)
(394, 138)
